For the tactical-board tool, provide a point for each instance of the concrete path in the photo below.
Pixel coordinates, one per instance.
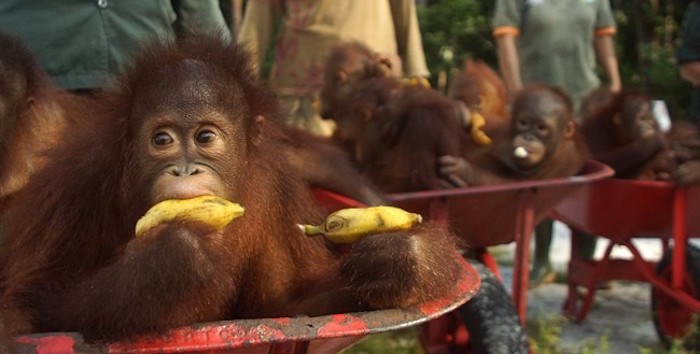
(620, 317)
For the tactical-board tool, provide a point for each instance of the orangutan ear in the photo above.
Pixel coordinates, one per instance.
(341, 77)
(570, 129)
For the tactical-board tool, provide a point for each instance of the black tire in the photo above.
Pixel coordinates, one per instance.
(491, 319)
(670, 318)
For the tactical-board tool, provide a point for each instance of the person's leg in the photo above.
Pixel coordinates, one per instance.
(542, 271)
(584, 244)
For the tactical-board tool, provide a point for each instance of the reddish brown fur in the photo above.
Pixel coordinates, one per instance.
(483, 91)
(75, 264)
(612, 133)
(33, 115)
(565, 150)
(565, 157)
(347, 65)
(397, 133)
(325, 164)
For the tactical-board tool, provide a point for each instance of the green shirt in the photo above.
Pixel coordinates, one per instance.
(81, 43)
(555, 43)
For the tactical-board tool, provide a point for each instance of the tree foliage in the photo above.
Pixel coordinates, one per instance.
(648, 34)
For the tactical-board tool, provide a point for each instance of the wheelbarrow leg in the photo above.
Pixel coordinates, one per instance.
(524, 224)
(680, 238)
(586, 274)
(434, 335)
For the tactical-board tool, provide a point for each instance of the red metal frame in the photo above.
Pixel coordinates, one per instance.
(483, 216)
(621, 210)
(321, 334)
(499, 214)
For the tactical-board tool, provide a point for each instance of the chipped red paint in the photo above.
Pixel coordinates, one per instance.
(434, 306)
(285, 321)
(344, 323)
(49, 345)
(218, 337)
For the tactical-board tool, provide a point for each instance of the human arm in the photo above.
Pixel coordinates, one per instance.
(690, 71)
(688, 53)
(604, 31)
(257, 28)
(203, 16)
(408, 38)
(509, 63)
(507, 23)
(607, 58)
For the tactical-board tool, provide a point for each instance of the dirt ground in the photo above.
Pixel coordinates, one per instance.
(620, 318)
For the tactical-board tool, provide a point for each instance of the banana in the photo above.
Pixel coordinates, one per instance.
(478, 135)
(417, 81)
(520, 152)
(351, 224)
(208, 209)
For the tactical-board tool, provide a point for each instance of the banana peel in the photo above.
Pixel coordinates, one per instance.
(477, 133)
(417, 81)
(207, 209)
(351, 224)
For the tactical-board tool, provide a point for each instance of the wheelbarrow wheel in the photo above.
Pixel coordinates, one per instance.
(491, 319)
(671, 319)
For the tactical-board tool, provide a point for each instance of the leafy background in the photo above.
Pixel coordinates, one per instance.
(648, 33)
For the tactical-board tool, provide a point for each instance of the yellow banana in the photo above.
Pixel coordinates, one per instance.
(350, 224)
(478, 135)
(417, 81)
(208, 209)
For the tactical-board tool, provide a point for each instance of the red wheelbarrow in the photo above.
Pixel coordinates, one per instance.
(620, 210)
(322, 334)
(487, 216)
(499, 214)
(483, 216)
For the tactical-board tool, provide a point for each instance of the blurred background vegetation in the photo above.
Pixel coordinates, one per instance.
(648, 33)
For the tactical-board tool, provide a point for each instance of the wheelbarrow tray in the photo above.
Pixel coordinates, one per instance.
(320, 334)
(488, 215)
(621, 210)
(493, 215)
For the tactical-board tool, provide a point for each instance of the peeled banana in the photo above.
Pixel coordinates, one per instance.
(351, 224)
(478, 135)
(208, 209)
(520, 152)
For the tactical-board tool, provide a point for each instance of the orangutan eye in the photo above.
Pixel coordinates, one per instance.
(205, 136)
(541, 128)
(522, 124)
(162, 138)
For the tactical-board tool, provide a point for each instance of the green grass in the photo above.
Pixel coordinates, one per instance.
(403, 341)
(545, 338)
